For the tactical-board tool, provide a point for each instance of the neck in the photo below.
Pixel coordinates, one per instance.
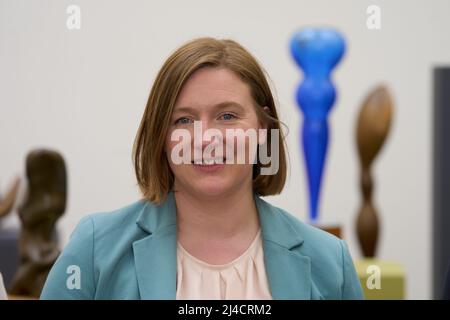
(227, 217)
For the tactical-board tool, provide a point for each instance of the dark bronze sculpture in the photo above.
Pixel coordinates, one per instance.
(373, 126)
(45, 202)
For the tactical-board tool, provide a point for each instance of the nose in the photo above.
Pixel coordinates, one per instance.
(206, 135)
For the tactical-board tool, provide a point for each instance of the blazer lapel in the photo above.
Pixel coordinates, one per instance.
(288, 271)
(155, 255)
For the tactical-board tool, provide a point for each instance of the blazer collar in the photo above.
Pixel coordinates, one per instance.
(155, 255)
(288, 271)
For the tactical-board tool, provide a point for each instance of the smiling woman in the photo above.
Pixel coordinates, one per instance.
(205, 80)
(202, 230)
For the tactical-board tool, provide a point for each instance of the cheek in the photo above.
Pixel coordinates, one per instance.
(243, 144)
(177, 146)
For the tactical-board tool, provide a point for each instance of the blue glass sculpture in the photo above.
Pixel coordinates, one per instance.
(317, 51)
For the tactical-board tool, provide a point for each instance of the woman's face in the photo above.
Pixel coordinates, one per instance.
(214, 98)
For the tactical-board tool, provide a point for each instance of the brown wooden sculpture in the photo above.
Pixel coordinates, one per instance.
(44, 204)
(373, 126)
(6, 203)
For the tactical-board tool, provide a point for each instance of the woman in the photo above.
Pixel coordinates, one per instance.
(202, 230)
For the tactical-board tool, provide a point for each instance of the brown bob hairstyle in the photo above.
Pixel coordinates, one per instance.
(154, 176)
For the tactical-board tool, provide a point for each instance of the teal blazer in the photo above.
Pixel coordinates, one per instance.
(130, 253)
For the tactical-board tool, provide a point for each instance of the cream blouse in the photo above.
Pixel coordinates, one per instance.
(243, 278)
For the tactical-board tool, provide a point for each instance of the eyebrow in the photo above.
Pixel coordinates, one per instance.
(215, 107)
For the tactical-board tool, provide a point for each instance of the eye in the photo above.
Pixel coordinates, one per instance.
(183, 120)
(227, 116)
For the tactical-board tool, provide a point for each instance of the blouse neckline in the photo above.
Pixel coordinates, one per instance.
(226, 265)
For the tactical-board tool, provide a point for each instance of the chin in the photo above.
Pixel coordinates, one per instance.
(212, 189)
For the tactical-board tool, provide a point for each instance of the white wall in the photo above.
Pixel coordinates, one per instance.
(83, 93)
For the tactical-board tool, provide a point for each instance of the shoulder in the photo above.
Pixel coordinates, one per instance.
(322, 247)
(332, 269)
(96, 245)
(115, 220)
(111, 233)
(314, 239)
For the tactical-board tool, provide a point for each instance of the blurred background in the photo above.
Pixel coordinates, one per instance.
(82, 92)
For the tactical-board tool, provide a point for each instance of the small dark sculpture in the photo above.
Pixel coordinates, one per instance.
(44, 204)
(373, 126)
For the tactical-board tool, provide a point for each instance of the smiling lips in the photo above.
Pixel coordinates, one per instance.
(209, 165)
(209, 162)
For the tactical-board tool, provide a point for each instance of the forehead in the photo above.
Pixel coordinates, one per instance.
(211, 86)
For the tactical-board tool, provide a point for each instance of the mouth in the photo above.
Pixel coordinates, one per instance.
(209, 162)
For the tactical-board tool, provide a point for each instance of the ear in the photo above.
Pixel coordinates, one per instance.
(263, 136)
